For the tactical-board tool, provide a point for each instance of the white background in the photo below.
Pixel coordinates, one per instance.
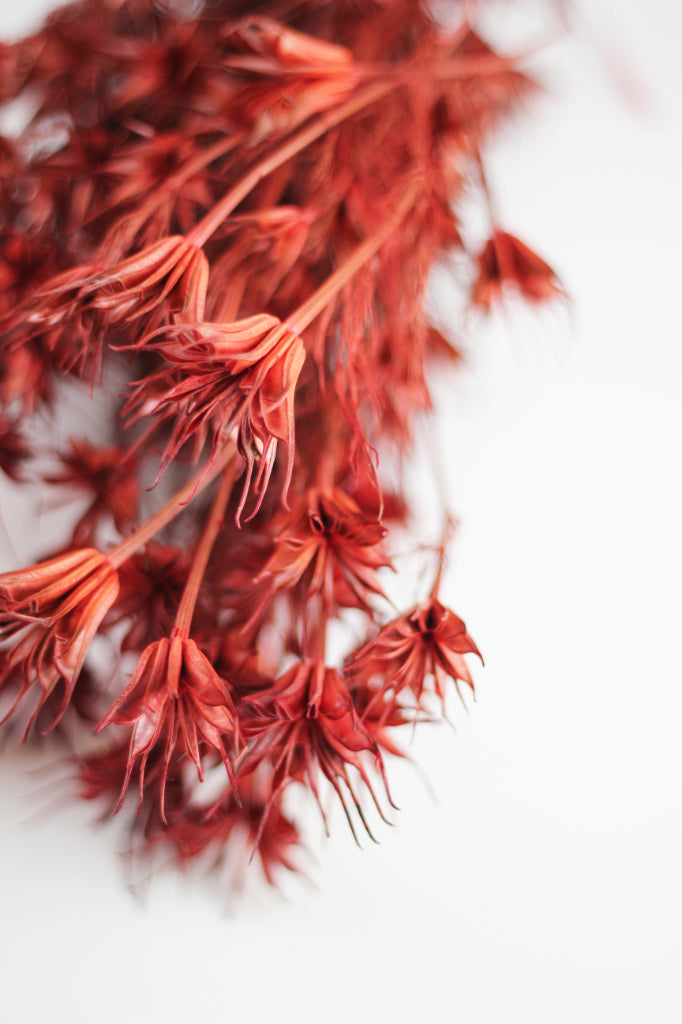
(544, 884)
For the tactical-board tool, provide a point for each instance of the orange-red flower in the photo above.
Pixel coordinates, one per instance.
(292, 75)
(174, 702)
(306, 723)
(239, 375)
(506, 262)
(330, 542)
(251, 822)
(426, 643)
(78, 307)
(151, 582)
(52, 611)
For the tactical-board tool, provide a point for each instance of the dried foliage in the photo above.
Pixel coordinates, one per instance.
(236, 206)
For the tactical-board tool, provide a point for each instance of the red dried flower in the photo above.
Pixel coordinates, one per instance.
(506, 262)
(239, 375)
(426, 643)
(151, 585)
(52, 612)
(109, 475)
(80, 305)
(307, 723)
(328, 540)
(175, 703)
(252, 821)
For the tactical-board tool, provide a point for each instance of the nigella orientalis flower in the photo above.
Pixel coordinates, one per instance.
(418, 650)
(86, 303)
(51, 613)
(175, 700)
(328, 541)
(107, 474)
(306, 724)
(224, 222)
(242, 374)
(506, 263)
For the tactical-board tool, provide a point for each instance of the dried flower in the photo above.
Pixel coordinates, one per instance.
(426, 643)
(222, 217)
(306, 723)
(108, 476)
(174, 702)
(328, 540)
(242, 374)
(52, 612)
(506, 262)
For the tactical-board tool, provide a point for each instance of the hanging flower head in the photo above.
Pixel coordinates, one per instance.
(506, 263)
(306, 725)
(51, 613)
(175, 704)
(425, 645)
(218, 377)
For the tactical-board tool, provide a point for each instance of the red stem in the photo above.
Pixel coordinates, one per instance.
(183, 619)
(321, 298)
(203, 230)
(123, 551)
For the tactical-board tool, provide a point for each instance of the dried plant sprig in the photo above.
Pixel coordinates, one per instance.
(237, 210)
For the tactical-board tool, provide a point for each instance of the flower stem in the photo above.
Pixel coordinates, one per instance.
(123, 551)
(320, 298)
(203, 230)
(183, 619)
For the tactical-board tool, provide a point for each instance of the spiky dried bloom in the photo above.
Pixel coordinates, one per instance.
(253, 821)
(327, 542)
(222, 375)
(176, 703)
(506, 264)
(151, 585)
(306, 726)
(233, 207)
(424, 646)
(51, 613)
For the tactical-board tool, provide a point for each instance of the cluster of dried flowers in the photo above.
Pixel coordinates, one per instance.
(235, 204)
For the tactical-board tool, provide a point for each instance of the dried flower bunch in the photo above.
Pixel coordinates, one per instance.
(235, 206)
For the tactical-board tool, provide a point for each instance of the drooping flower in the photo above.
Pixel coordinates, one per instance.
(79, 306)
(426, 643)
(328, 541)
(306, 725)
(293, 75)
(52, 612)
(151, 585)
(220, 376)
(249, 823)
(506, 262)
(174, 703)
